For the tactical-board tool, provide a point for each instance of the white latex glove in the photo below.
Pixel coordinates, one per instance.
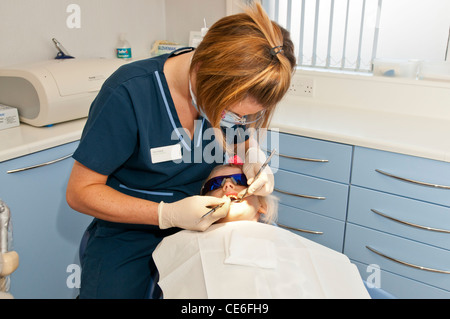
(263, 185)
(187, 213)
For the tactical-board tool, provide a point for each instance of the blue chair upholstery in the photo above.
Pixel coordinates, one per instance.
(378, 293)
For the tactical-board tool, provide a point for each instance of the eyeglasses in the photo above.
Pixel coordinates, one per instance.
(230, 119)
(237, 128)
(218, 182)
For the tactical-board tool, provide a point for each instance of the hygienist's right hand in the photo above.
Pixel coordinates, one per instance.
(187, 213)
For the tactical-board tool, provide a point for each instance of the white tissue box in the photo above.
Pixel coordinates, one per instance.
(9, 117)
(168, 48)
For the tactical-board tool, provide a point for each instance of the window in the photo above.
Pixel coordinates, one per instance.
(349, 34)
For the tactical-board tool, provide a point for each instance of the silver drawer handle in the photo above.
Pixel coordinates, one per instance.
(407, 264)
(300, 195)
(302, 158)
(412, 181)
(38, 165)
(410, 224)
(305, 159)
(301, 230)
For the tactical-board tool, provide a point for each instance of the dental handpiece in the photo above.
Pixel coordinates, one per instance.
(263, 166)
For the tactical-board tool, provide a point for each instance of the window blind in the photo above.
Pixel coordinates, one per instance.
(341, 34)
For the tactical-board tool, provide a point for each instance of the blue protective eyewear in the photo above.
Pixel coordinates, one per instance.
(219, 181)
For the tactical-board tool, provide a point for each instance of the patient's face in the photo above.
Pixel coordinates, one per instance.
(248, 209)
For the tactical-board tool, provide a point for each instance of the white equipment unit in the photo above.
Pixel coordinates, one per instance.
(54, 91)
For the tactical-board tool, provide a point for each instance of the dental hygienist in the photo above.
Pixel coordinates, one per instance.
(128, 171)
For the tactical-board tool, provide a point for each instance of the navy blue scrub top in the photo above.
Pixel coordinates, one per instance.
(133, 114)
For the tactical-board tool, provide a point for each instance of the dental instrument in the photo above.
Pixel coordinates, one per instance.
(263, 166)
(212, 210)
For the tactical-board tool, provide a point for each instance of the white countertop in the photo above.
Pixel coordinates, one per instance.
(26, 139)
(412, 135)
(401, 133)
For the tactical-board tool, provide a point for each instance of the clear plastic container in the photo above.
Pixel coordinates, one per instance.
(396, 68)
(123, 49)
(435, 71)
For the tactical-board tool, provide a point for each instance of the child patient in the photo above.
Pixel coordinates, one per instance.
(229, 180)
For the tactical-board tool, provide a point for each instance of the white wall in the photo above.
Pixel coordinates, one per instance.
(185, 16)
(28, 26)
(426, 99)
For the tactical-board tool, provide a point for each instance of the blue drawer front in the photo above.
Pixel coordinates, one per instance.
(338, 156)
(366, 161)
(335, 194)
(38, 157)
(332, 231)
(401, 287)
(362, 201)
(357, 238)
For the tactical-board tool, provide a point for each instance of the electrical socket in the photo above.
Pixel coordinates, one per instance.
(302, 86)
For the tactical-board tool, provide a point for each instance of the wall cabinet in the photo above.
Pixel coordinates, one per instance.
(46, 231)
(379, 208)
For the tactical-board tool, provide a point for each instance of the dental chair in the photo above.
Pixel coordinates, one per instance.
(378, 293)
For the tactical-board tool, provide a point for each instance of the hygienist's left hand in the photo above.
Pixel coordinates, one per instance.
(264, 184)
(188, 213)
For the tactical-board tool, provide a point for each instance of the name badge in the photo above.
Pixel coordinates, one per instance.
(165, 153)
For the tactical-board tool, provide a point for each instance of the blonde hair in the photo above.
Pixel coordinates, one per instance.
(236, 60)
(270, 202)
(271, 215)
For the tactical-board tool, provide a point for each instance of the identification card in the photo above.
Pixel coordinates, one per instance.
(166, 153)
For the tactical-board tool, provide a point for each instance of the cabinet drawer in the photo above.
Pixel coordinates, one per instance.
(409, 255)
(409, 176)
(310, 156)
(38, 159)
(323, 230)
(401, 287)
(312, 194)
(424, 222)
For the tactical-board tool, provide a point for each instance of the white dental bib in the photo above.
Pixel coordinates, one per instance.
(252, 260)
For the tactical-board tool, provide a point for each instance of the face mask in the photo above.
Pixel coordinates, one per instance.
(194, 102)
